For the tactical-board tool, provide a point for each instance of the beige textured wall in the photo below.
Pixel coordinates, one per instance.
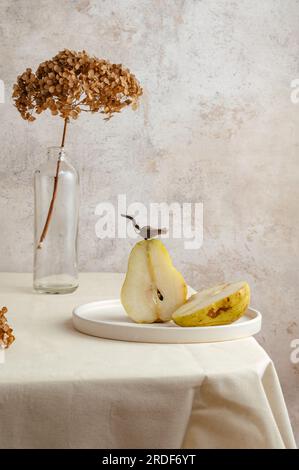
(216, 125)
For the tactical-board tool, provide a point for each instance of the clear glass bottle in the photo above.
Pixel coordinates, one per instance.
(55, 240)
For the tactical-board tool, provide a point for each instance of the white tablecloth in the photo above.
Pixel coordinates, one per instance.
(62, 389)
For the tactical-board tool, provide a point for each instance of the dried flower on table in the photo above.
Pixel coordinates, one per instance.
(6, 332)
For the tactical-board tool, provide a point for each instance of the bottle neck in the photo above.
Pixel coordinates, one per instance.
(56, 153)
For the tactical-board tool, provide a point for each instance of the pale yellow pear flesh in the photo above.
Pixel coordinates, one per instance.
(218, 305)
(153, 289)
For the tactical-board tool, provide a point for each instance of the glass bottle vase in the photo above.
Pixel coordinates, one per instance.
(56, 191)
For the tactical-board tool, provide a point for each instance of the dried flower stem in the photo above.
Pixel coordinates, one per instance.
(51, 207)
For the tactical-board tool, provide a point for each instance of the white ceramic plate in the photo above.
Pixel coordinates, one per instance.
(108, 319)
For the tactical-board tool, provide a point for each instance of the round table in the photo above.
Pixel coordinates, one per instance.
(63, 389)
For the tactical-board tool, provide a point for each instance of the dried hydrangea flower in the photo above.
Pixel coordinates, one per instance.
(71, 83)
(6, 332)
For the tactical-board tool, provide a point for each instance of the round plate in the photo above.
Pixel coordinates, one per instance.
(108, 319)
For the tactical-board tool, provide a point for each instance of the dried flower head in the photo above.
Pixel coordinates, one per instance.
(72, 82)
(6, 336)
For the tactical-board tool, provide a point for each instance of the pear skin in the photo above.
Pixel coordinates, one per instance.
(153, 289)
(220, 305)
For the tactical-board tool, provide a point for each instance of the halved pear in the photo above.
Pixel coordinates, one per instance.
(218, 305)
(153, 289)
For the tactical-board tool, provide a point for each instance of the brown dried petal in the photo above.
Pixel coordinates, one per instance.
(75, 81)
(6, 336)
